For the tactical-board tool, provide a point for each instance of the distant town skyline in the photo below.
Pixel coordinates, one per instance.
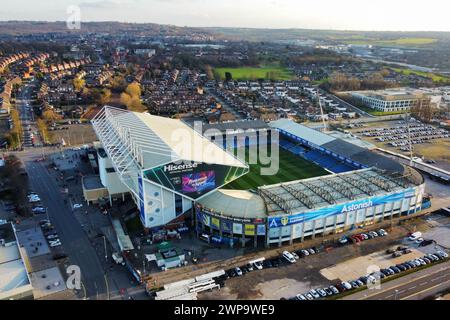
(382, 15)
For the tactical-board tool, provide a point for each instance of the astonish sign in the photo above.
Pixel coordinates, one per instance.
(286, 220)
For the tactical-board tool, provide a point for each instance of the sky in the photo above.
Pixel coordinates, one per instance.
(383, 15)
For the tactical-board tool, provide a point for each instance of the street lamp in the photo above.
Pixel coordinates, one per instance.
(106, 252)
(396, 294)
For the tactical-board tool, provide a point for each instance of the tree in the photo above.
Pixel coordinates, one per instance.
(43, 130)
(100, 96)
(78, 84)
(133, 89)
(118, 83)
(125, 98)
(228, 76)
(50, 116)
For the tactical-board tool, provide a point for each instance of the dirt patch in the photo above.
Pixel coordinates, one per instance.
(76, 135)
(355, 268)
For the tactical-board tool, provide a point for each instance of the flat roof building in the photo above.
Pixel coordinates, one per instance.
(392, 100)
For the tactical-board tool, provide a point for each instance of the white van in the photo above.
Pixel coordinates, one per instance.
(415, 236)
(288, 256)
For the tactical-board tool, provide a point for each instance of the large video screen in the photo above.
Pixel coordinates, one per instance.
(194, 179)
(199, 182)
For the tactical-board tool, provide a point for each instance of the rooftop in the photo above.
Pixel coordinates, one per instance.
(235, 203)
(303, 195)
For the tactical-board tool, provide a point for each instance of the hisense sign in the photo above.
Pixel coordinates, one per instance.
(180, 167)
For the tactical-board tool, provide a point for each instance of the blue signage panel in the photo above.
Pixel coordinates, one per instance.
(141, 197)
(280, 221)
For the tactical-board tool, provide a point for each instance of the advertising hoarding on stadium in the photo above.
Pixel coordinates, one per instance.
(193, 179)
(286, 220)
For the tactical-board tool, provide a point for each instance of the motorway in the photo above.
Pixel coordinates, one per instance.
(415, 286)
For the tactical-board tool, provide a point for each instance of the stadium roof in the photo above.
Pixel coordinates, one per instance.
(150, 141)
(236, 125)
(235, 203)
(304, 132)
(343, 148)
(303, 195)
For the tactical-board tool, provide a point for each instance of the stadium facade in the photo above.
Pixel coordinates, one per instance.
(147, 156)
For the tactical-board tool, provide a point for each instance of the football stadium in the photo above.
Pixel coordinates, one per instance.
(214, 175)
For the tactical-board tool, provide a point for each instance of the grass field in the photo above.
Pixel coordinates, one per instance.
(291, 168)
(249, 73)
(396, 42)
(430, 75)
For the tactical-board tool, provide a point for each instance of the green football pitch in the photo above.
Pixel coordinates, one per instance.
(291, 167)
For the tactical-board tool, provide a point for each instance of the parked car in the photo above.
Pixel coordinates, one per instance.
(249, 267)
(238, 271)
(442, 254)
(296, 257)
(289, 257)
(258, 265)
(305, 252)
(314, 293)
(334, 289)
(321, 292)
(301, 297)
(77, 206)
(347, 285)
(39, 210)
(382, 232)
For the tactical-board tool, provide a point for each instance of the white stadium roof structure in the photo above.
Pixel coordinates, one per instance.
(140, 141)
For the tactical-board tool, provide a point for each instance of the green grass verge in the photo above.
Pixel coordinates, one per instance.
(291, 168)
(250, 73)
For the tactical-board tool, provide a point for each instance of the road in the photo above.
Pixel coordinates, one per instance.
(25, 110)
(74, 239)
(416, 286)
